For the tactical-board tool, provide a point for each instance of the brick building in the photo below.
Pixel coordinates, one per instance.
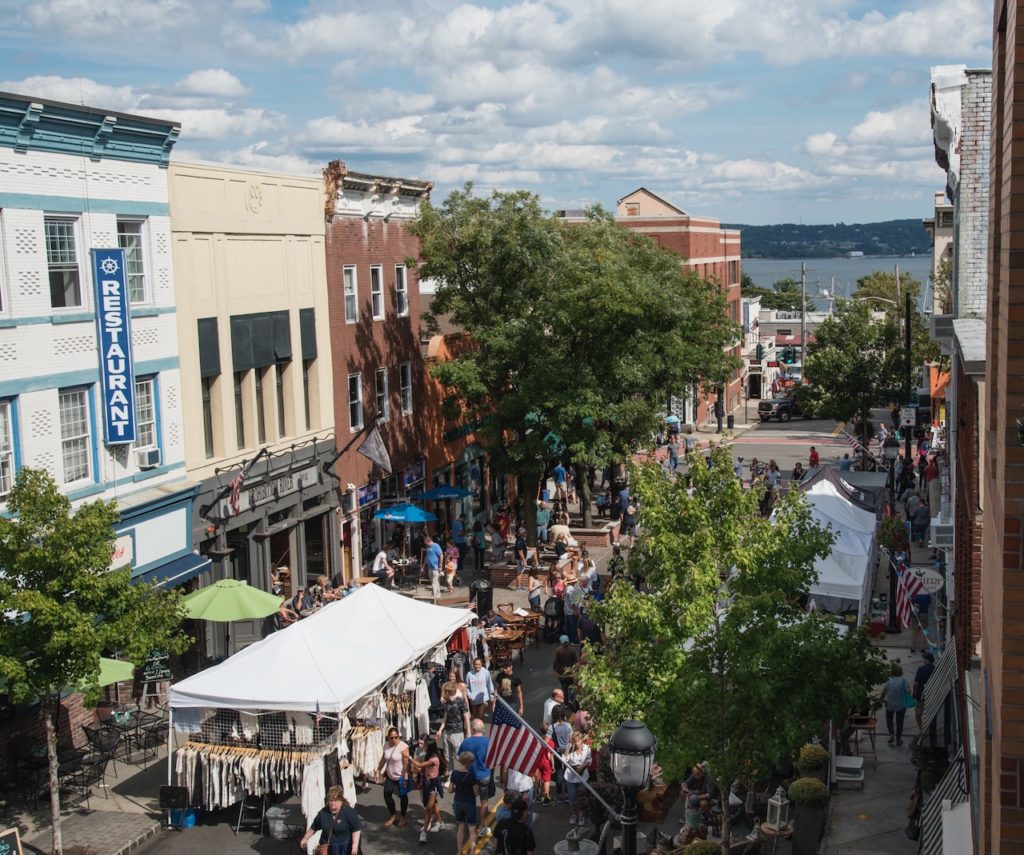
(1000, 719)
(710, 251)
(378, 367)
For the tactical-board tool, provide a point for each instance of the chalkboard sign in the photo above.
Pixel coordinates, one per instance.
(10, 843)
(156, 668)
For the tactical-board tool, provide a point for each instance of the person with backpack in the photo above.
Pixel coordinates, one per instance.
(432, 768)
(896, 692)
(465, 791)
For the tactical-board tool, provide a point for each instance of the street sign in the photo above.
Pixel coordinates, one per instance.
(931, 579)
(908, 416)
(773, 363)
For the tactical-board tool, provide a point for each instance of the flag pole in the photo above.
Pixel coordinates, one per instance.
(615, 815)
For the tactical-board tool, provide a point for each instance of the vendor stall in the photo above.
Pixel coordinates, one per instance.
(307, 707)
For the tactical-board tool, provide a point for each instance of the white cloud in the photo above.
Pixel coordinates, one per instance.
(213, 82)
(910, 123)
(75, 90)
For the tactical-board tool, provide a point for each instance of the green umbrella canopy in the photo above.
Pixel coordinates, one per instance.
(229, 600)
(111, 671)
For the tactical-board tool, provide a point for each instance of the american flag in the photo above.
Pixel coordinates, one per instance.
(235, 499)
(512, 744)
(319, 715)
(908, 587)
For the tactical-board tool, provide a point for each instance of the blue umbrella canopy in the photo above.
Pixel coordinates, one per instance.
(404, 512)
(444, 491)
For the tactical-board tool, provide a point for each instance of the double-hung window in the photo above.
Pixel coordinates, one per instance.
(355, 402)
(377, 291)
(75, 436)
(348, 275)
(383, 404)
(130, 239)
(62, 262)
(145, 413)
(405, 384)
(6, 448)
(401, 292)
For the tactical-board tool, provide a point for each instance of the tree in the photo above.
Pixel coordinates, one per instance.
(881, 286)
(61, 606)
(784, 296)
(581, 331)
(856, 363)
(717, 655)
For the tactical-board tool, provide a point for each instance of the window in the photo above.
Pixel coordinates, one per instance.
(208, 414)
(401, 292)
(261, 421)
(351, 294)
(62, 262)
(145, 414)
(734, 272)
(383, 404)
(355, 402)
(282, 422)
(377, 292)
(405, 383)
(632, 209)
(6, 448)
(75, 441)
(307, 366)
(129, 238)
(239, 410)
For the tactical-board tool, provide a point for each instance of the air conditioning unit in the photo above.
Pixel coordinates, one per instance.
(941, 536)
(147, 458)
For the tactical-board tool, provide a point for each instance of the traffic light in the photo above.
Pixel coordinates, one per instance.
(759, 353)
(788, 355)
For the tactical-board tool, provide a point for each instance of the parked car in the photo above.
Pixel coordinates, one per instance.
(782, 409)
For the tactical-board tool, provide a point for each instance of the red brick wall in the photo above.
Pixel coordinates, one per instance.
(967, 558)
(29, 729)
(367, 345)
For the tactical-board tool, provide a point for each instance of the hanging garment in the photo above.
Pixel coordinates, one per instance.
(348, 784)
(421, 703)
(189, 720)
(314, 796)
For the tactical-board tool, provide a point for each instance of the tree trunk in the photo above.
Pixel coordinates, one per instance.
(726, 820)
(51, 756)
(583, 493)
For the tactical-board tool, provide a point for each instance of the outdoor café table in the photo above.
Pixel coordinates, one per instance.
(365, 580)
(401, 566)
(129, 728)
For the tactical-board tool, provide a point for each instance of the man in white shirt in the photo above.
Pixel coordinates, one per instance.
(557, 699)
(382, 569)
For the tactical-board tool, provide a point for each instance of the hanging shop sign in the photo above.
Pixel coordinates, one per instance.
(113, 329)
(931, 580)
(368, 494)
(413, 474)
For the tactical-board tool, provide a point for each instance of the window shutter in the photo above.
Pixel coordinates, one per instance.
(282, 337)
(241, 343)
(307, 330)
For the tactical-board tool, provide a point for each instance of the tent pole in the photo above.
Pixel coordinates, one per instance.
(170, 742)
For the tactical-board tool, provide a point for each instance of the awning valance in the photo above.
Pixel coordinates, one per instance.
(178, 571)
(939, 684)
(952, 788)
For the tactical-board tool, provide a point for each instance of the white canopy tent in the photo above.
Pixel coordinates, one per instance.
(847, 540)
(327, 661)
(830, 500)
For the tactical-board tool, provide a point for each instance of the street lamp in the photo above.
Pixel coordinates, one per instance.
(891, 447)
(632, 755)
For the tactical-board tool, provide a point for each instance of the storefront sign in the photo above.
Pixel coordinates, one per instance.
(413, 474)
(10, 842)
(113, 329)
(368, 494)
(931, 580)
(908, 416)
(124, 552)
(271, 489)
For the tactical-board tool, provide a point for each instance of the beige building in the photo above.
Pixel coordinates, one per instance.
(248, 251)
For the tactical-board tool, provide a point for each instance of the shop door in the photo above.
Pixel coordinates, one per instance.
(754, 386)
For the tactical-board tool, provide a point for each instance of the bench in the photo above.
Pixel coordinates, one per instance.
(847, 770)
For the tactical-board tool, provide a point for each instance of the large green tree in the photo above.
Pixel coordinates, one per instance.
(717, 655)
(62, 607)
(581, 331)
(856, 363)
(887, 292)
(784, 296)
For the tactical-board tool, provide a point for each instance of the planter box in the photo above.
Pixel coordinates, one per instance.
(808, 827)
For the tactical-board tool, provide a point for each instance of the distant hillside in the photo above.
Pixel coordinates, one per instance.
(893, 237)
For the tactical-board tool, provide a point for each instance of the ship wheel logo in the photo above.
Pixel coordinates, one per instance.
(109, 266)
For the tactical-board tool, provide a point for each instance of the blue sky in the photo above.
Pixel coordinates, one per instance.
(809, 111)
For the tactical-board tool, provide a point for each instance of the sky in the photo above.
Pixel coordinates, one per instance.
(812, 111)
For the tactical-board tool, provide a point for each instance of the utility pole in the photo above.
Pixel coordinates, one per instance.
(803, 316)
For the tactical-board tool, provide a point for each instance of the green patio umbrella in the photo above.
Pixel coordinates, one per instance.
(111, 671)
(230, 600)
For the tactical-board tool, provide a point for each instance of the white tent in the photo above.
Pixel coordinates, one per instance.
(842, 579)
(327, 661)
(847, 540)
(831, 501)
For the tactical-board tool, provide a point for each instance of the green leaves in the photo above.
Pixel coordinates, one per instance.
(717, 656)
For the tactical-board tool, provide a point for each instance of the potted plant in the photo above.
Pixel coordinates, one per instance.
(812, 762)
(811, 799)
(892, 534)
(703, 847)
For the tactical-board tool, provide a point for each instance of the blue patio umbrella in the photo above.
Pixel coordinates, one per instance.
(404, 513)
(444, 491)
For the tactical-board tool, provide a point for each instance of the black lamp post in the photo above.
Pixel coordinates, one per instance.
(632, 755)
(891, 447)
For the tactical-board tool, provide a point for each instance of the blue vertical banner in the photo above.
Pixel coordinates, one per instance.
(113, 330)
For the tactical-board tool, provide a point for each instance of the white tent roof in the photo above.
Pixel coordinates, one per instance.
(829, 499)
(842, 576)
(847, 540)
(330, 659)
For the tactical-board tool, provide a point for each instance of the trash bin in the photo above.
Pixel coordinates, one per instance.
(483, 593)
(730, 421)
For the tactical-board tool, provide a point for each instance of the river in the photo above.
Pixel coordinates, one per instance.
(820, 272)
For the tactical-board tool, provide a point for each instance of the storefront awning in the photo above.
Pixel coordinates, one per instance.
(939, 684)
(951, 790)
(178, 571)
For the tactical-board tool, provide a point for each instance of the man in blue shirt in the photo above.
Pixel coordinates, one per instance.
(432, 556)
(558, 473)
(459, 538)
(477, 745)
